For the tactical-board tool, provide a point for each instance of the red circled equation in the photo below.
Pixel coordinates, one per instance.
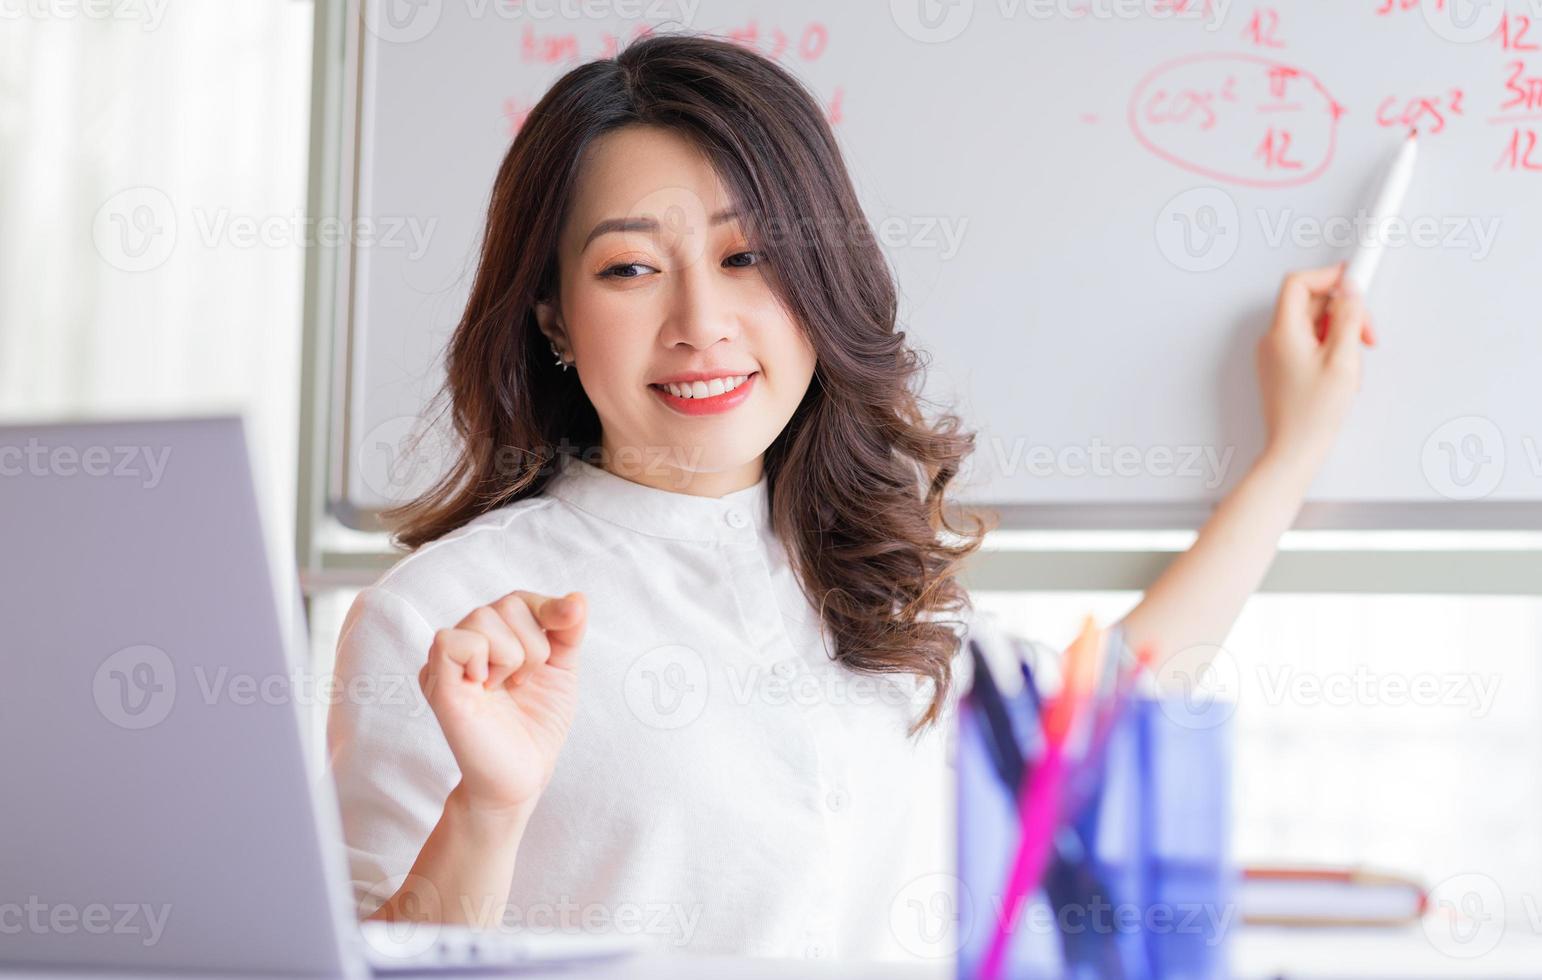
(1239, 118)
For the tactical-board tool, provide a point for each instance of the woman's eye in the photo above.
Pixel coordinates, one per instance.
(613, 273)
(626, 270)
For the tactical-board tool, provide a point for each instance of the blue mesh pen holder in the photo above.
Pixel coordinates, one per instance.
(1140, 883)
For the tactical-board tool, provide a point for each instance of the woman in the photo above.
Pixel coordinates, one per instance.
(684, 611)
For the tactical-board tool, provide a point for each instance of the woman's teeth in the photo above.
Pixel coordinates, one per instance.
(705, 389)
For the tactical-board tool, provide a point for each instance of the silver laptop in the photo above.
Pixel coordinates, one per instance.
(158, 810)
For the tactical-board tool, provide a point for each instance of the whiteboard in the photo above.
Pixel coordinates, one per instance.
(1088, 205)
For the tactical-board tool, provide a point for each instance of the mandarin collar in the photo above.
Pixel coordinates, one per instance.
(739, 516)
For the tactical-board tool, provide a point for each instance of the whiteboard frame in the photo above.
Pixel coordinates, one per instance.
(324, 515)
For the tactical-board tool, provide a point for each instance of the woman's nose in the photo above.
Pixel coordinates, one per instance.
(701, 311)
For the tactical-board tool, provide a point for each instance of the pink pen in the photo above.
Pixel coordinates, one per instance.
(1039, 799)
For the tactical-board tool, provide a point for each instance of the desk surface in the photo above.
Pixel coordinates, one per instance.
(1266, 954)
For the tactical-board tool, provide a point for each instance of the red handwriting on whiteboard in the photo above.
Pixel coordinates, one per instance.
(1194, 8)
(808, 44)
(1264, 28)
(1521, 153)
(1239, 118)
(1513, 33)
(548, 49)
(1524, 91)
(1426, 113)
(1274, 151)
(1522, 103)
(1079, 9)
(515, 112)
(834, 112)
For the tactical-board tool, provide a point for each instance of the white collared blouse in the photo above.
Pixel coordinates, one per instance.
(725, 786)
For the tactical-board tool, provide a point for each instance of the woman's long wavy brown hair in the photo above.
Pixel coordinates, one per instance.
(858, 478)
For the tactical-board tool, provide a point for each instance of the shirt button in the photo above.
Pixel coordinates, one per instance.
(814, 951)
(836, 800)
(785, 669)
(736, 518)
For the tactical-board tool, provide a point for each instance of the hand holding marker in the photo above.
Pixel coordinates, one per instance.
(1367, 256)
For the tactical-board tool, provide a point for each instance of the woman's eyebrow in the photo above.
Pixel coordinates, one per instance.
(649, 225)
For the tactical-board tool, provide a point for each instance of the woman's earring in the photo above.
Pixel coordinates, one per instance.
(560, 359)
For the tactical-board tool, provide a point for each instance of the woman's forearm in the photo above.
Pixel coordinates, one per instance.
(463, 874)
(1197, 597)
